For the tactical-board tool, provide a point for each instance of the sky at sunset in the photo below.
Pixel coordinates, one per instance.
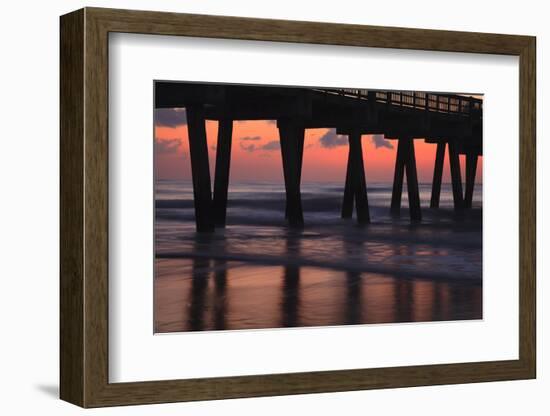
(256, 155)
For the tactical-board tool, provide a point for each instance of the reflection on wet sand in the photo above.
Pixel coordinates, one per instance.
(256, 273)
(291, 284)
(205, 292)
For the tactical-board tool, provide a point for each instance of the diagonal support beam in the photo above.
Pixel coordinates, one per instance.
(438, 174)
(347, 203)
(398, 178)
(412, 183)
(221, 179)
(200, 169)
(471, 168)
(456, 177)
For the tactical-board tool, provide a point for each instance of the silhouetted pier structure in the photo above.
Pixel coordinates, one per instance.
(451, 122)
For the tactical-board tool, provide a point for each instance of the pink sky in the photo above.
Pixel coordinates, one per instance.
(255, 155)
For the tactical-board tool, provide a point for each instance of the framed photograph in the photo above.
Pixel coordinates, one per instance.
(257, 207)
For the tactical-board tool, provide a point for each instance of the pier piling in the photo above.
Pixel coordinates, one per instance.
(358, 181)
(292, 144)
(398, 179)
(405, 163)
(221, 178)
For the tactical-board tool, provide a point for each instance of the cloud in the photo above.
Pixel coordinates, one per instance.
(379, 141)
(166, 146)
(170, 117)
(251, 138)
(272, 145)
(252, 147)
(330, 139)
(248, 147)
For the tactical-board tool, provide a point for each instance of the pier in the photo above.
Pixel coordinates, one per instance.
(452, 123)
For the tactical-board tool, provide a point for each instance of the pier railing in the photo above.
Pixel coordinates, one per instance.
(440, 103)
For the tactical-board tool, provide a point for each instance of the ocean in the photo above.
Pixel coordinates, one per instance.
(259, 274)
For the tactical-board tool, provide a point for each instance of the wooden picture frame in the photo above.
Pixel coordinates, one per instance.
(84, 207)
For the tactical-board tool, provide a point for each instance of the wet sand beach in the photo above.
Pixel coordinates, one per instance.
(256, 273)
